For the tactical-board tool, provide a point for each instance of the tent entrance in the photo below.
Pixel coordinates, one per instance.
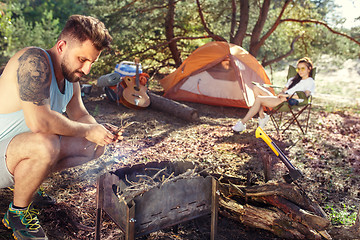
(219, 81)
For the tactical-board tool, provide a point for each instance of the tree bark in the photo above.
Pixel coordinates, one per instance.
(238, 38)
(281, 208)
(174, 108)
(169, 32)
(256, 41)
(255, 36)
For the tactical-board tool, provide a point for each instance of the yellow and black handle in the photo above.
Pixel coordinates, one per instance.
(294, 173)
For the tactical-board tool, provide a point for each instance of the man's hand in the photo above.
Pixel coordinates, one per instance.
(116, 131)
(99, 135)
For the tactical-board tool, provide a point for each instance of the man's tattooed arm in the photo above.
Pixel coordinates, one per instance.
(34, 76)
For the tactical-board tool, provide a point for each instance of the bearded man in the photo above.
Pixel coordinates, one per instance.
(36, 87)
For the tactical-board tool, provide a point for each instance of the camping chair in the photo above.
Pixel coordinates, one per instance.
(295, 111)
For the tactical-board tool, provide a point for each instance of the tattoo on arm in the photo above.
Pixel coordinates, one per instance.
(34, 77)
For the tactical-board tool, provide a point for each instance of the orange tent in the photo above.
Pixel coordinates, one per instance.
(217, 73)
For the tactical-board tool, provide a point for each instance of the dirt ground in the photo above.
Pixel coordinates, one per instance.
(329, 157)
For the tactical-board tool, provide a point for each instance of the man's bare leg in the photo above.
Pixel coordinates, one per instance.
(29, 158)
(76, 151)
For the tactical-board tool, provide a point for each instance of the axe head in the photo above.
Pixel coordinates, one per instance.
(293, 175)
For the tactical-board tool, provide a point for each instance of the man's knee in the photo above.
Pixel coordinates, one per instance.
(47, 146)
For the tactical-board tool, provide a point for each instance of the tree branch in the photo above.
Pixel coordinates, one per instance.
(257, 44)
(158, 46)
(213, 36)
(276, 23)
(321, 23)
(155, 7)
(175, 39)
(266, 63)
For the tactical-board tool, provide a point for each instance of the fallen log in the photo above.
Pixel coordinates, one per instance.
(172, 107)
(272, 220)
(281, 208)
(288, 191)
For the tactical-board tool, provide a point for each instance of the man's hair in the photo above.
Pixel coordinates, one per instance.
(82, 28)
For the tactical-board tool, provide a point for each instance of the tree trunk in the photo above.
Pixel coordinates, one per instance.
(169, 32)
(238, 38)
(255, 36)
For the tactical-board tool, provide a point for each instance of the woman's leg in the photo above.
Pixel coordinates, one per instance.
(260, 102)
(260, 91)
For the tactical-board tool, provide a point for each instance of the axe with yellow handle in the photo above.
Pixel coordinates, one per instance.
(294, 173)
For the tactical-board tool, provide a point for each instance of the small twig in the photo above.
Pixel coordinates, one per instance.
(127, 180)
(157, 174)
(241, 192)
(146, 182)
(167, 178)
(145, 176)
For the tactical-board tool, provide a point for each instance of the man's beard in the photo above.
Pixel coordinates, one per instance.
(68, 74)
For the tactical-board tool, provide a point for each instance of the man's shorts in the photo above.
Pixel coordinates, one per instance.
(6, 178)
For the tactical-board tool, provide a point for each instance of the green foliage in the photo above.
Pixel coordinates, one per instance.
(33, 23)
(42, 34)
(344, 216)
(61, 9)
(279, 42)
(5, 30)
(138, 28)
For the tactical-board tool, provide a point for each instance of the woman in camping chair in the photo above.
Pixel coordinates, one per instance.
(264, 98)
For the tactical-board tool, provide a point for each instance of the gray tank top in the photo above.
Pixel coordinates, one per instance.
(12, 124)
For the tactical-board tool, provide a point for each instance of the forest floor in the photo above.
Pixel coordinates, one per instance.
(328, 155)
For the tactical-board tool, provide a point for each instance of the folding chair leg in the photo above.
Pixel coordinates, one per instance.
(276, 125)
(307, 119)
(294, 119)
(285, 107)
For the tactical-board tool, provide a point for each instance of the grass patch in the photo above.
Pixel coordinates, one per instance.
(345, 216)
